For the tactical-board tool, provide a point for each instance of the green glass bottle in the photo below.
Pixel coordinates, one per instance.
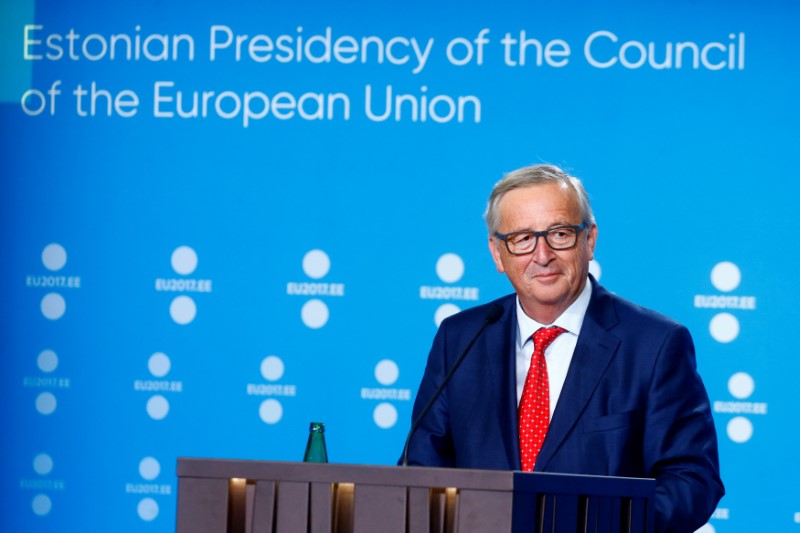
(315, 449)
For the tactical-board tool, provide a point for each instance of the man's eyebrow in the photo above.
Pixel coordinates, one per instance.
(551, 226)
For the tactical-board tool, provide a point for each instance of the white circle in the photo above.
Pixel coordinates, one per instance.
(147, 509)
(450, 268)
(444, 311)
(740, 429)
(53, 306)
(42, 464)
(159, 364)
(270, 411)
(182, 310)
(387, 372)
(41, 504)
(157, 407)
(315, 314)
(708, 528)
(595, 269)
(726, 276)
(47, 361)
(184, 260)
(46, 403)
(385, 415)
(741, 385)
(724, 327)
(149, 468)
(272, 368)
(316, 264)
(54, 257)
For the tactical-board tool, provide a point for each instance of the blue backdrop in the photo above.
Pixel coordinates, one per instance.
(223, 221)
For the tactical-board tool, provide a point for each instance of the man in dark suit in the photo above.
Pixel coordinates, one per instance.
(616, 388)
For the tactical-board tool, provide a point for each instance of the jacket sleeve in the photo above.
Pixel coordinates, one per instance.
(431, 443)
(680, 442)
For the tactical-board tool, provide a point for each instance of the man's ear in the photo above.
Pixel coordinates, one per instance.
(591, 240)
(494, 249)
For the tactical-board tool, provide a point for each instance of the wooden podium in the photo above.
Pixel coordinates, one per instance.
(229, 496)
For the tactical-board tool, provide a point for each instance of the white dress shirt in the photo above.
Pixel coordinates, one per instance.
(559, 354)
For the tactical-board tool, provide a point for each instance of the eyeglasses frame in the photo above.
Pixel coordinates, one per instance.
(536, 234)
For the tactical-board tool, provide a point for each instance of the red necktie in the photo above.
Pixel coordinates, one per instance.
(534, 408)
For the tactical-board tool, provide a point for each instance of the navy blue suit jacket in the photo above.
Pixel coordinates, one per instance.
(632, 405)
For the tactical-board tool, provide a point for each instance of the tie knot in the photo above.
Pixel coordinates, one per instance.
(543, 337)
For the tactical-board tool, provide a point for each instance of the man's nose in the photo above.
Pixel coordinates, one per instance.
(542, 254)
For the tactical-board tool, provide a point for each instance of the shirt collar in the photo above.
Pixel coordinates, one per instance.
(571, 319)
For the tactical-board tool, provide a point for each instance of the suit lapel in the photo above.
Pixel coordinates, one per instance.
(595, 348)
(498, 344)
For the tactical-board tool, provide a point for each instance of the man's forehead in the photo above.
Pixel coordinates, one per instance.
(552, 204)
(540, 192)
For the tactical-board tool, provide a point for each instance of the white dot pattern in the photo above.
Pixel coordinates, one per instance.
(534, 408)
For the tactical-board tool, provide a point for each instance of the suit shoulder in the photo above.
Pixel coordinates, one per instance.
(629, 312)
(474, 316)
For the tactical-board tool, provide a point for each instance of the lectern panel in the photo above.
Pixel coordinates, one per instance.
(292, 516)
(480, 511)
(566, 511)
(419, 511)
(380, 508)
(321, 507)
(202, 505)
(264, 507)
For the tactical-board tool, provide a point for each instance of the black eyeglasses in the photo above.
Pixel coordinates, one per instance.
(557, 238)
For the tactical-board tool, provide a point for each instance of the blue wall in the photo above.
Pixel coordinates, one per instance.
(208, 286)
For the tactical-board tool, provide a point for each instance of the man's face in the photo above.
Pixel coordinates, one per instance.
(546, 280)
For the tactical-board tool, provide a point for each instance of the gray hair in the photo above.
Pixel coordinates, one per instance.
(535, 175)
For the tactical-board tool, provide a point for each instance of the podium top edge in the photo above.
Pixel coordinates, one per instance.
(413, 476)
(408, 476)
